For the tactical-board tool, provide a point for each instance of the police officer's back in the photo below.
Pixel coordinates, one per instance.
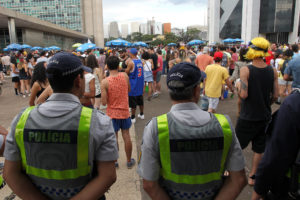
(52, 149)
(186, 151)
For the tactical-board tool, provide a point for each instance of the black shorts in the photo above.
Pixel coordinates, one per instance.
(252, 131)
(136, 101)
(98, 96)
(15, 79)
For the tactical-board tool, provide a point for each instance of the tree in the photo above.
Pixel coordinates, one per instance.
(147, 37)
(170, 38)
(157, 42)
(136, 36)
(190, 34)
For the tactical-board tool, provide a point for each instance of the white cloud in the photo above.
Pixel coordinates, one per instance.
(180, 13)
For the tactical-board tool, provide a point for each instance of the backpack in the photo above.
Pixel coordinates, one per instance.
(224, 61)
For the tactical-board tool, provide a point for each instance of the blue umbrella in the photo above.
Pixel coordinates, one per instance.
(36, 48)
(142, 44)
(14, 47)
(172, 44)
(56, 48)
(85, 47)
(119, 42)
(228, 40)
(5, 49)
(25, 46)
(108, 44)
(195, 42)
(46, 49)
(238, 40)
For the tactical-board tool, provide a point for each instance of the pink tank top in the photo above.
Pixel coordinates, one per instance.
(117, 97)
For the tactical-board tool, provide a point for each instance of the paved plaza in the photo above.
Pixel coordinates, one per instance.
(128, 184)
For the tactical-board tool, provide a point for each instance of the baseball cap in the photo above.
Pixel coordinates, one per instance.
(218, 54)
(66, 63)
(183, 75)
(133, 51)
(205, 50)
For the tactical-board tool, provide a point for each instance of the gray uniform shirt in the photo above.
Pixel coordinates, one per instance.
(102, 142)
(191, 115)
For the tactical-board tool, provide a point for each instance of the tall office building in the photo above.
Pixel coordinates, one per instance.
(114, 30)
(144, 29)
(106, 30)
(80, 15)
(135, 27)
(124, 30)
(66, 13)
(166, 28)
(277, 20)
(158, 28)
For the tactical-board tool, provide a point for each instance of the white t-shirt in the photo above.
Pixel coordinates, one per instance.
(88, 77)
(147, 66)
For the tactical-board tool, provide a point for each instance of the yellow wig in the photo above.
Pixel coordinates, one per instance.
(258, 48)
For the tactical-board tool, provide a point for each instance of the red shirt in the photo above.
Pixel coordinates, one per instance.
(269, 58)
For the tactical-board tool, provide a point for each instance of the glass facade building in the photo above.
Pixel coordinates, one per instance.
(276, 16)
(232, 27)
(66, 13)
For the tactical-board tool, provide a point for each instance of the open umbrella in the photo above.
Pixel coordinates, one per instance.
(76, 45)
(85, 47)
(56, 48)
(25, 46)
(119, 42)
(195, 42)
(228, 40)
(14, 47)
(141, 44)
(36, 48)
(46, 49)
(5, 49)
(238, 40)
(172, 44)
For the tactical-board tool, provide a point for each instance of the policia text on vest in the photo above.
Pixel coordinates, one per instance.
(50, 136)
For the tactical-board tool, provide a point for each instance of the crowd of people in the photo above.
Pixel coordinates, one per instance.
(66, 148)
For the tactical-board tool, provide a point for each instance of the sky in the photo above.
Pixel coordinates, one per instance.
(180, 13)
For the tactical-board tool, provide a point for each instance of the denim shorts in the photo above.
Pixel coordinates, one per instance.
(121, 124)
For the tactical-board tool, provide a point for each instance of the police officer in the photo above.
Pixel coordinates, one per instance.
(52, 149)
(281, 153)
(186, 151)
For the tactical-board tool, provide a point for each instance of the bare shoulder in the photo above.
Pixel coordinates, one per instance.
(244, 70)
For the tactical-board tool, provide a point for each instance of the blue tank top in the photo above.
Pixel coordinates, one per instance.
(136, 79)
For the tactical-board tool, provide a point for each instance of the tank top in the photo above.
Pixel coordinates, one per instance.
(136, 79)
(13, 74)
(257, 106)
(41, 91)
(147, 66)
(117, 97)
(97, 85)
(88, 77)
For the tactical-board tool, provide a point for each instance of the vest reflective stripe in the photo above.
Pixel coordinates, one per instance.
(165, 155)
(83, 167)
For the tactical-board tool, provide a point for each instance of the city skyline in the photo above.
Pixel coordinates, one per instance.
(179, 13)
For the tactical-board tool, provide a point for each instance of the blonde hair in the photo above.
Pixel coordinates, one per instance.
(258, 48)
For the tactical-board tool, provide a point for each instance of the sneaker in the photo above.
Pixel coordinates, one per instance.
(24, 96)
(141, 116)
(155, 94)
(133, 121)
(116, 164)
(131, 163)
